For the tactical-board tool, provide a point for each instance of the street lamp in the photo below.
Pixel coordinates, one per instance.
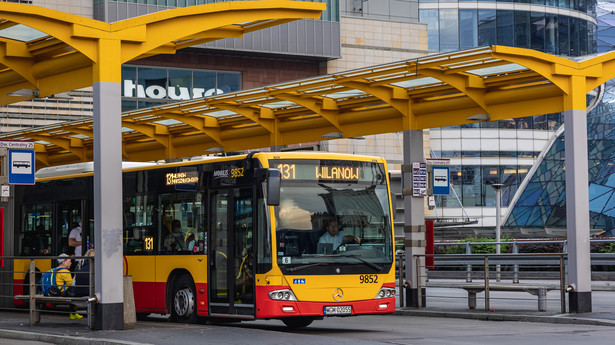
(498, 188)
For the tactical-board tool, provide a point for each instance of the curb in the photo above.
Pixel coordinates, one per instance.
(558, 318)
(62, 339)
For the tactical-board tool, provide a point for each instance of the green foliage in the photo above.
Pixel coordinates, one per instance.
(476, 248)
(608, 248)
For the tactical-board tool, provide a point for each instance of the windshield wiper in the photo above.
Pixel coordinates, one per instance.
(354, 256)
(298, 268)
(368, 263)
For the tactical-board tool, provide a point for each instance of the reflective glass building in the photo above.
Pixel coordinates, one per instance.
(505, 151)
(541, 203)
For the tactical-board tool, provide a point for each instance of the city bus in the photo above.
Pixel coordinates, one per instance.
(240, 237)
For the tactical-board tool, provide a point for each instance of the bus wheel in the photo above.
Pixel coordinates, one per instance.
(183, 304)
(297, 322)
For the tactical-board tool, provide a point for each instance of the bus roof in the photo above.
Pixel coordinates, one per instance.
(88, 167)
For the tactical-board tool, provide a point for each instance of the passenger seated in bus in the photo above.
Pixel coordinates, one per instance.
(190, 242)
(175, 241)
(335, 236)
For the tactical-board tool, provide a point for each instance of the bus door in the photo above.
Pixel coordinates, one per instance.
(231, 278)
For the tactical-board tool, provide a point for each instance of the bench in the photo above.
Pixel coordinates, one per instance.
(37, 303)
(537, 290)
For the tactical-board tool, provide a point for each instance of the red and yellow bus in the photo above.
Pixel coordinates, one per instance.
(243, 237)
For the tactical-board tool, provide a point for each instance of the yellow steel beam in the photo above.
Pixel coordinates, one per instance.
(87, 47)
(415, 94)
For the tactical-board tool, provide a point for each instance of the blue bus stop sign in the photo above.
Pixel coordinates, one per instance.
(21, 167)
(440, 181)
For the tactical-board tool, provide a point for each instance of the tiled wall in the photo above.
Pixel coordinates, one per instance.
(367, 42)
(82, 8)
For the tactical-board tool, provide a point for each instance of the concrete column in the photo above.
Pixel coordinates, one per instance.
(108, 205)
(577, 210)
(414, 222)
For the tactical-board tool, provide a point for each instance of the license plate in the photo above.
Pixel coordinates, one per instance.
(338, 310)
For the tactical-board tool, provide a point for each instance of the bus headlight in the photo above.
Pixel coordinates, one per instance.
(282, 295)
(385, 293)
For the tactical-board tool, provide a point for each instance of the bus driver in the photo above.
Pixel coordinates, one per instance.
(337, 237)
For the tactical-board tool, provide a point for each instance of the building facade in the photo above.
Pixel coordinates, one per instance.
(505, 151)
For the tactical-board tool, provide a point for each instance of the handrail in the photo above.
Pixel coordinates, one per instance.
(486, 260)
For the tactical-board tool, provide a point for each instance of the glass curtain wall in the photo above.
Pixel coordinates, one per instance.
(453, 29)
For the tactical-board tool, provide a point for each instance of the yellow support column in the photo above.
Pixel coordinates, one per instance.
(108, 185)
(577, 196)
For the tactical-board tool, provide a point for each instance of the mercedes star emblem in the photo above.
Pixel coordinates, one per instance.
(338, 294)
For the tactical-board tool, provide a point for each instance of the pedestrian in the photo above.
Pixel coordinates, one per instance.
(63, 283)
(82, 275)
(74, 238)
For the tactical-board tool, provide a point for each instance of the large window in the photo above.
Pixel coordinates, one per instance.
(506, 28)
(180, 226)
(150, 86)
(139, 235)
(35, 235)
(468, 29)
(452, 29)
(430, 17)
(486, 27)
(449, 28)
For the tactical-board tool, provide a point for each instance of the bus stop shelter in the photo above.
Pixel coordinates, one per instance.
(482, 84)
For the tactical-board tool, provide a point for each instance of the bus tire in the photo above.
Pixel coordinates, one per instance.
(297, 322)
(183, 300)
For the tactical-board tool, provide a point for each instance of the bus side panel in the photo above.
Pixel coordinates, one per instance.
(143, 271)
(201, 299)
(196, 265)
(21, 268)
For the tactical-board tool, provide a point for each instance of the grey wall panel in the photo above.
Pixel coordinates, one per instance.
(132, 10)
(99, 11)
(313, 38)
(293, 37)
(390, 10)
(318, 44)
(122, 11)
(310, 40)
(275, 38)
(112, 12)
(141, 9)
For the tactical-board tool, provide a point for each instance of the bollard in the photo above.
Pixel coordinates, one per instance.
(516, 266)
(542, 299)
(468, 266)
(130, 313)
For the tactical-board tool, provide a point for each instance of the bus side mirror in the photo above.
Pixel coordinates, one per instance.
(273, 187)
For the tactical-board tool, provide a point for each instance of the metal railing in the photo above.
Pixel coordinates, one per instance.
(497, 267)
(20, 283)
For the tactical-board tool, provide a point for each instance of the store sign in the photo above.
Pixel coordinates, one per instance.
(132, 89)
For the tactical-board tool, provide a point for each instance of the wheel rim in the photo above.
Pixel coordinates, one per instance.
(184, 302)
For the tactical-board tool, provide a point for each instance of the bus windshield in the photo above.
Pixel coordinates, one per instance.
(338, 217)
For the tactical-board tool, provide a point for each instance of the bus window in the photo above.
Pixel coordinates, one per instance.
(263, 233)
(138, 216)
(180, 220)
(35, 235)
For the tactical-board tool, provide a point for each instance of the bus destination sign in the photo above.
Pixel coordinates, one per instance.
(328, 171)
